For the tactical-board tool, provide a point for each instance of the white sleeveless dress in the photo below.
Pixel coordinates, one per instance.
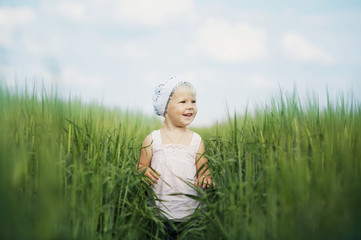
(177, 165)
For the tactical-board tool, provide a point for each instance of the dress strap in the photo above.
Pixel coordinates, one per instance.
(157, 141)
(196, 140)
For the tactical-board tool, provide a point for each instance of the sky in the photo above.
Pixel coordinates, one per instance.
(238, 54)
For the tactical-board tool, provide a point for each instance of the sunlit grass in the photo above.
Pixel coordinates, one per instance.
(290, 170)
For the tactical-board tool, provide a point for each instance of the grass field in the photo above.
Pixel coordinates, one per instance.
(290, 170)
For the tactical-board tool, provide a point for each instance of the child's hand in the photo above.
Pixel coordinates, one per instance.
(151, 175)
(204, 182)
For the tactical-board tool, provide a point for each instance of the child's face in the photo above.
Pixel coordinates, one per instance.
(182, 108)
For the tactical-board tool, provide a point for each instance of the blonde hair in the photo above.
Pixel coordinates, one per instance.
(187, 87)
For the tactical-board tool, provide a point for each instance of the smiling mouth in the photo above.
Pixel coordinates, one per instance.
(188, 115)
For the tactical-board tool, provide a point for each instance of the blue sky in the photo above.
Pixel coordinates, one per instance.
(236, 53)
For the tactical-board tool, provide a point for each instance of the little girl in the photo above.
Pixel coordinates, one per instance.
(172, 158)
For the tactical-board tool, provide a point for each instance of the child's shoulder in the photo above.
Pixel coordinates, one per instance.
(196, 135)
(193, 132)
(152, 133)
(149, 138)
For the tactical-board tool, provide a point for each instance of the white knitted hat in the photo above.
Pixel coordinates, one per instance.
(163, 92)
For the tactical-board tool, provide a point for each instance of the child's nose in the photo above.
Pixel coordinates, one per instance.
(190, 106)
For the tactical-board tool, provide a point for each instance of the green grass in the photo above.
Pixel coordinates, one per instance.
(290, 170)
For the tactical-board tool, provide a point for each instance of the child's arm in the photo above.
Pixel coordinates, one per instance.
(204, 175)
(145, 159)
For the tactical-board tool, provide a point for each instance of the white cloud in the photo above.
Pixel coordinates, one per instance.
(299, 48)
(74, 77)
(140, 12)
(14, 17)
(11, 19)
(257, 80)
(70, 10)
(130, 50)
(6, 38)
(134, 51)
(228, 42)
(155, 12)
